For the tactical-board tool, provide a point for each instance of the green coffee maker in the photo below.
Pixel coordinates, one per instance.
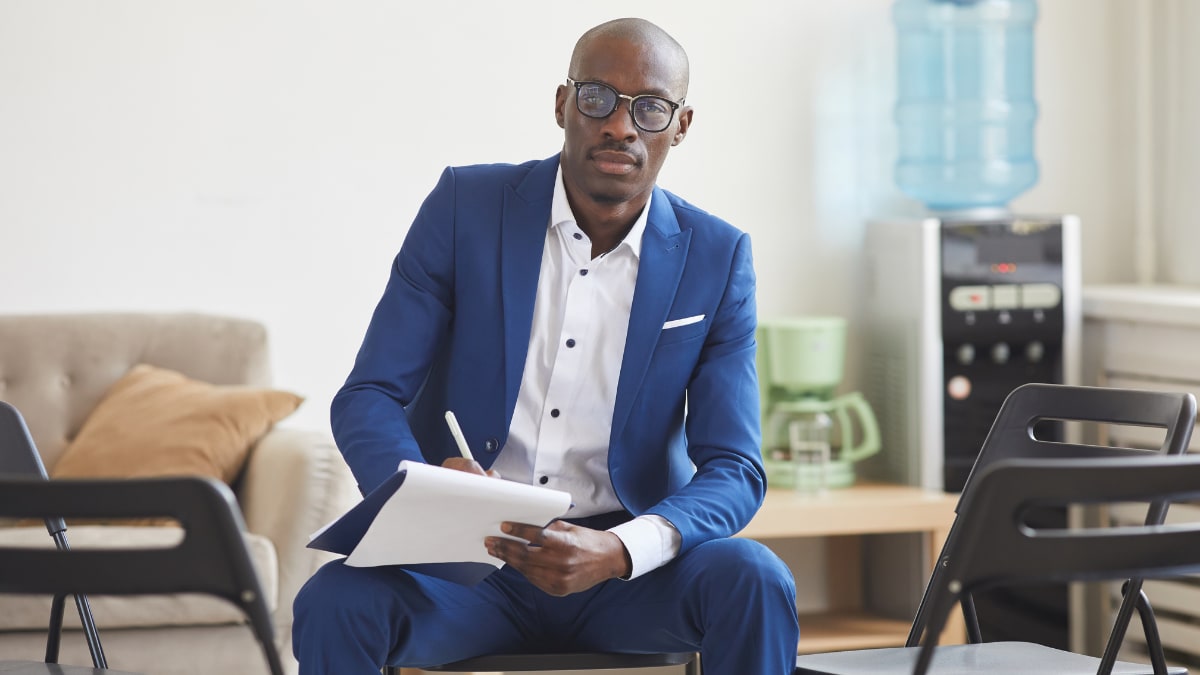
(811, 436)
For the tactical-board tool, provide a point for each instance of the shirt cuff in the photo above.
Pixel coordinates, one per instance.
(652, 541)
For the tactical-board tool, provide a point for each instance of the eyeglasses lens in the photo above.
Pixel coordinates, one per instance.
(596, 100)
(652, 113)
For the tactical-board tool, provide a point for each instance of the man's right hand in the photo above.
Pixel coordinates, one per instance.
(468, 465)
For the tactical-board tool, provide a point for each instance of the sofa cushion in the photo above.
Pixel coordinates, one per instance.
(157, 422)
(32, 612)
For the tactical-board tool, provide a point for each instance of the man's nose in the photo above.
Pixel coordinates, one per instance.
(620, 123)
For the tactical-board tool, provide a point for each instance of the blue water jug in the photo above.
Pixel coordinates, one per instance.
(965, 110)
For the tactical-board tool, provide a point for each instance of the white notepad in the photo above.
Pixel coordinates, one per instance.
(432, 515)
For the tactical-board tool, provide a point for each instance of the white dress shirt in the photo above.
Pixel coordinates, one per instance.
(563, 417)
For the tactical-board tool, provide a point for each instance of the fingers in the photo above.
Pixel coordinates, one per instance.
(469, 466)
(464, 464)
(530, 533)
(560, 558)
(512, 552)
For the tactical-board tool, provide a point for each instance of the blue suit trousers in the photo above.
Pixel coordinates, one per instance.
(730, 599)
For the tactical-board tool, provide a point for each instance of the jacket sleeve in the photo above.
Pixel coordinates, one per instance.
(400, 345)
(722, 425)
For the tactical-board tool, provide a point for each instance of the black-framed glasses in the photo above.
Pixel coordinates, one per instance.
(598, 100)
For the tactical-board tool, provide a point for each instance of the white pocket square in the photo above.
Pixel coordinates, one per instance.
(676, 323)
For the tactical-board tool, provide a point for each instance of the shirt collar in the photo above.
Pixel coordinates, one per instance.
(561, 214)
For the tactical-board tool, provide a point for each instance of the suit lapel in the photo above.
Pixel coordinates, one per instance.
(664, 252)
(523, 236)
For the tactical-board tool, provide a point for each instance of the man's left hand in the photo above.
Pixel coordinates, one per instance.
(561, 558)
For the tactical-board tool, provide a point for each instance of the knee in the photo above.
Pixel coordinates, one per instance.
(334, 593)
(738, 571)
(319, 594)
(739, 561)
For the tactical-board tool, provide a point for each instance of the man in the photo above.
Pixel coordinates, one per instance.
(595, 334)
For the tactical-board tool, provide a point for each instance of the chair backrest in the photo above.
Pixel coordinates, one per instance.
(211, 558)
(1012, 436)
(998, 547)
(18, 454)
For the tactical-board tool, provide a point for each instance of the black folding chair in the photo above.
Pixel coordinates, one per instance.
(211, 558)
(1013, 437)
(997, 546)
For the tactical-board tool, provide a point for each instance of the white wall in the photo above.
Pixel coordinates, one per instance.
(263, 158)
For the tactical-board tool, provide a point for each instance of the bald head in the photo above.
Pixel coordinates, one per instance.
(658, 45)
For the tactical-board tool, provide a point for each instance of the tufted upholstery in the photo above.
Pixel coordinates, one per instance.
(56, 368)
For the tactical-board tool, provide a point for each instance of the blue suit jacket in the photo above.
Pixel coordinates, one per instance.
(452, 329)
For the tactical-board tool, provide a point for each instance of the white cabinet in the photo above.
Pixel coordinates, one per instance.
(1146, 337)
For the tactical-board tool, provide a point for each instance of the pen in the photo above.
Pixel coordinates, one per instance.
(456, 432)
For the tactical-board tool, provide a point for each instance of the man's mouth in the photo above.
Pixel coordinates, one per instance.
(614, 162)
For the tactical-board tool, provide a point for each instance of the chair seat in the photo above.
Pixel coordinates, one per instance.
(563, 661)
(994, 658)
(39, 668)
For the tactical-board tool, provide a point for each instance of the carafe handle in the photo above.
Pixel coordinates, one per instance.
(869, 442)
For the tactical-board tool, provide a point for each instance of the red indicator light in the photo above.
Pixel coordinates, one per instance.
(1004, 268)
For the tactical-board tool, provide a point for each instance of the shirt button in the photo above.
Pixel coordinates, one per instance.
(577, 236)
(571, 342)
(554, 413)
(491, 444)
(583, 273)
(544, 479)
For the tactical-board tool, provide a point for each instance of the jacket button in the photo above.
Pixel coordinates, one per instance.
(491, 444)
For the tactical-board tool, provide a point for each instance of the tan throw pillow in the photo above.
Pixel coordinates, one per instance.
(157, 422)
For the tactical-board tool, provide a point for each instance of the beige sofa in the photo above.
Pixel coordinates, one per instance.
(54, 369)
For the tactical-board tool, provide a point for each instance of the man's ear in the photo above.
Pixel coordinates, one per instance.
(685, 121)
(560, 101)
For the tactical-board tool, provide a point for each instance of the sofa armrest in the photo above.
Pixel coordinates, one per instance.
(295, 482)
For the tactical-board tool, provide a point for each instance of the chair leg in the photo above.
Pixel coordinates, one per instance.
(1129, 591)
(90, 633)
(971, 617)
(54, 636)
(1153, 642)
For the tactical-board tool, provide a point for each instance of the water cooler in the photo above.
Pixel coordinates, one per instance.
(969, 300)
(958, 313)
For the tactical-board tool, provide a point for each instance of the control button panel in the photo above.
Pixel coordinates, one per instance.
(1003, 297)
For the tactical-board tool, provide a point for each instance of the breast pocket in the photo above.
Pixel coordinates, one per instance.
(682, 329)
